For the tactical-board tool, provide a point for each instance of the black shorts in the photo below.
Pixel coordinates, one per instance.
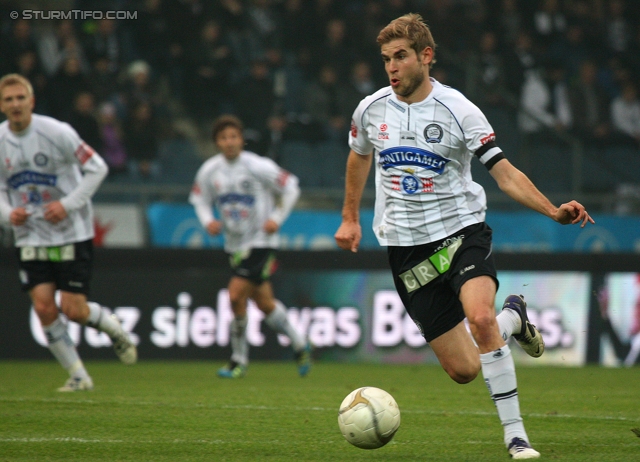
(68, 266)
(257, 265)
(430, 293)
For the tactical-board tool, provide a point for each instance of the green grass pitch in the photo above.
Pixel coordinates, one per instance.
(180, 411)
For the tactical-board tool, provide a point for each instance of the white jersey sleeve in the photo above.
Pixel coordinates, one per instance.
(358, 137)
(284, 184)
(93, 167)
(203, 195)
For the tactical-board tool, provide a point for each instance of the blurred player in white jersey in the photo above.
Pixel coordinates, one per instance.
(47, 178)
(431, 216)
(253, 196)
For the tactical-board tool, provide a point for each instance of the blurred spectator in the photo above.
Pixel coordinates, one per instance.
(111, 138)
(359, 85)
(84, 120)
(64, 86)
(571, 49)
(264, 22)
(334, 49)
(28, 66)
(625, 114)
(296, 24)
(103, 81)
(490, 72)
(256, 103)
(19, 40)
(589, 105)
(544, 101)
(244, 42)
(140, 86)
(107, 42)
(152, 34)
(618, 29)
(56, 44)
(549, 22)
(141, 140)
(510, 22)
(323, 99)
(208, 61)
(519, 61)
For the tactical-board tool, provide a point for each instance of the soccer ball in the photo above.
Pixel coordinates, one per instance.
(369, 417)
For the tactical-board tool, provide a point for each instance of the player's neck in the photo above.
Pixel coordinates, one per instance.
(18, 126)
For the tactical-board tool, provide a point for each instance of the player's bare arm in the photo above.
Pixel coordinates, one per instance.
(270, 227)
(54, 212)
(214, 227)
(349, 233)
(519, 187)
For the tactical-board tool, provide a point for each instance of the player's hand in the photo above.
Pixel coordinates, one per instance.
(571, 213)
(270, 227)
(348, 236)
(214, 227)
(19, 216)
(54, 212)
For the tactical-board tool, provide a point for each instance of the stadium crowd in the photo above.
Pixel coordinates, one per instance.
(294, 70)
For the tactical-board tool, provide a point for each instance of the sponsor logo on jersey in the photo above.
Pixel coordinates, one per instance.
(411, 184)
(40, 159)
(396, 105)
(383, 127)
(235, 198)
(433, 133)
(31, 177)
(403, 156)
(383, 136)
(354, 129)
(487, 139)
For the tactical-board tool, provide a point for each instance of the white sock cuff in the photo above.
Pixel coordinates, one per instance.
(56, 330)
(496, 355)
(95, 313)
(278, 316)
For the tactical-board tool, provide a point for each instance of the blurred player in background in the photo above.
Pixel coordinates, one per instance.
(253, 196)
(47, 178)
(430, 215)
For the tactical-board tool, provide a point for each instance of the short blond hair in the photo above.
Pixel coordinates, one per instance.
(15, 79)
(411, 27)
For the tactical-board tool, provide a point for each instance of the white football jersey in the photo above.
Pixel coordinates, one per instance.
(42, 164)
(422, 156)
(246, 192)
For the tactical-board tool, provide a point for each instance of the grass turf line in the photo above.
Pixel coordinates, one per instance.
(180, 411)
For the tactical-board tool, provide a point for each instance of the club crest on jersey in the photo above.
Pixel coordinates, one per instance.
(40, 159)
(410, 156)
(411, 184)
(433, 133)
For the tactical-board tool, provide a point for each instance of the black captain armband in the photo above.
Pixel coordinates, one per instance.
(489, 154)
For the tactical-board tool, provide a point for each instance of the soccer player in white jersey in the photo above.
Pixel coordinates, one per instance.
(47, 178)
(253, 196)
(431, 216)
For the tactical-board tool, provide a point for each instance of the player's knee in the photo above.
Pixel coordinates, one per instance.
(463, 376)
(46, 310)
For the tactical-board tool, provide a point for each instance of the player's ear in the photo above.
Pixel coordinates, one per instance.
(427, 55)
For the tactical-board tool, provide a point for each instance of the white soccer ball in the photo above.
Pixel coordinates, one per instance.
(369, 417)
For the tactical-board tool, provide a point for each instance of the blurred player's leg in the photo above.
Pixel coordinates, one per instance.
(63, 349)
(237, 367)
(100, 319)
(279, 322)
